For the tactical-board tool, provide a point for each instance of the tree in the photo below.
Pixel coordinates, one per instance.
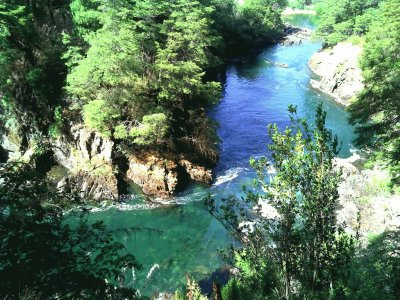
(42, 251)
(181, 63)
(340, 19)
(32, 72)
(376, 113)
(287, 224)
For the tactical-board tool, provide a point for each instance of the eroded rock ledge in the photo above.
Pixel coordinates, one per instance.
(94, 173)
(163, 175)
(339, 72)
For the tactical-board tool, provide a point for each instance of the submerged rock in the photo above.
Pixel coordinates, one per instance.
(339, 72)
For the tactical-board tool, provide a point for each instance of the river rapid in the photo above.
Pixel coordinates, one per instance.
(172, 240)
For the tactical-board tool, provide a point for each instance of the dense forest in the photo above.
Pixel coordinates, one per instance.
(140, 76)
(133, 70)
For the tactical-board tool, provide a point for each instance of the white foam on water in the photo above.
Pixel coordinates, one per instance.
(126, 207)
(228, 176)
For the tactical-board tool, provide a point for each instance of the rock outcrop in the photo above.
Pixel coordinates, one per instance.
(88, 157)
(161, 176)
(366, 205)
(365, 202)
(340, 75)
(91, 186)
(84, 162)
(295, 36)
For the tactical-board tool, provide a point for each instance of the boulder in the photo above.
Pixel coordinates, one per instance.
(155, 175)
(162, 175)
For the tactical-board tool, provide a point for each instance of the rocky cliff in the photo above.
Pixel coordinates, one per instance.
(339, 72)
(85, 162)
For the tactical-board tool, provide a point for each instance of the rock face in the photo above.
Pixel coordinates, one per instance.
(88, 157)
(161, 176)
(11, 149)
(157, 177)
(340, 75)
(363, 195)
(90, 170)
(85, 149)
(196, 173)
(89, 186)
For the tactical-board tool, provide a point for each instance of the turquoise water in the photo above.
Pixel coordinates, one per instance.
(183, 238)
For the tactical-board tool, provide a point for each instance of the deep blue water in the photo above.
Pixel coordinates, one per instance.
(183, 238)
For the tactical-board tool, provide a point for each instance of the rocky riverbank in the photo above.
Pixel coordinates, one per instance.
(366, 202)
(339, 73)
(93, 166)
(295, 35)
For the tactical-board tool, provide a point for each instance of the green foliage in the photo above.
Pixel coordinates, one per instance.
(295, 230)
(120, 62)
(181, 62)
(31, 71)
(376, 111)
(193, 292)
(300, 4)
(339, 19)
(98, 115)
(55, 129)
(153, 127)
(375, 273)
(41, 252)
(260, 20)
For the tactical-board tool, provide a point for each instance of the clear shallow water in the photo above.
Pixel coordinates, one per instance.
(183, 238)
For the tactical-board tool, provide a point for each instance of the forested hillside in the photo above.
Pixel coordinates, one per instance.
(106, 117)
(133, 72)
(94, 85)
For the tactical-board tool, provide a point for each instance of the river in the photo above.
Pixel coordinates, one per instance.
(183, 238)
